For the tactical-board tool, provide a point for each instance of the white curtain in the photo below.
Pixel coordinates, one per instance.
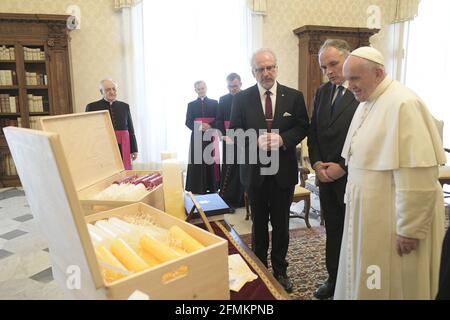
(177, 43)
(395, 50)
(428, 59)
(403, 12)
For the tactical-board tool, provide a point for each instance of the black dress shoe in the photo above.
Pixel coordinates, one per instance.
(325, 291)
(285, 282)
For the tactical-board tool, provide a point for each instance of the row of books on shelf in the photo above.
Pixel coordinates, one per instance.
(8, 78)
(33, 78)
(7, 53)
(33, 53)
(37, 103)
(8, 167)
(8, 104)
(8, 123)
(34, 123)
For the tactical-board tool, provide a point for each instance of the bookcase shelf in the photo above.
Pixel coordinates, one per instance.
(34, 76)
(9, 87)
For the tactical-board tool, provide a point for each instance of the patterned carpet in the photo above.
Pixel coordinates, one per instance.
(306, 257)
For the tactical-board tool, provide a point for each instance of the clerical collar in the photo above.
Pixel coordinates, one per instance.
(109, 102)
(380, 89)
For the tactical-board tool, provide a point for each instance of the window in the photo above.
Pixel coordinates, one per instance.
(185, 41)
(428, 59)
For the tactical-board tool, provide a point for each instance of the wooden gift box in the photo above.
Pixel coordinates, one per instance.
(53, 199)
(93, 156)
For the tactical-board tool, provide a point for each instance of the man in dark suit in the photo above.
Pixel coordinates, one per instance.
(231, 189)
(334, 106)
(202, 176)
(121, 120)
(277, 117)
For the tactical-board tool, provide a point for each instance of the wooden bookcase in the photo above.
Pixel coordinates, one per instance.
(34, 76)
(310, 38)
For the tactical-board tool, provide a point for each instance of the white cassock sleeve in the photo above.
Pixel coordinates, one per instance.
(415, 194)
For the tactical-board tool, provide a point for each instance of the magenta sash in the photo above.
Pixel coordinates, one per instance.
(216, 149)
(123, 138)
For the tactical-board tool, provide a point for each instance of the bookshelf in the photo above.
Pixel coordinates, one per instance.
(35, 76)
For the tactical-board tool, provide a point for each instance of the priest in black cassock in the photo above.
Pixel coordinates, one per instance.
(203, 175)
(121, 120)
(231, 189)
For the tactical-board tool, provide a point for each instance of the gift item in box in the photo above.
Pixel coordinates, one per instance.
(53, 199)
(94, 160)
(212, 204)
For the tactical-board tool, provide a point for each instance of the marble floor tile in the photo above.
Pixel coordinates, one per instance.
(15, 289)
(8, 225)
(28, 289)
(45, 276)
(24, 218)
(11, 268)
(27, 243)
(13, 209)
(4, 254)
(23, 266)
(12, 234)
(50, 291)
(14, 202)
(6, 189)
(30, 226)
(35, 262)
(238, 222)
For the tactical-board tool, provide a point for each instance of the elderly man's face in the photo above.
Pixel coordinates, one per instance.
(265, 69)
(109, 91)
(234, 86)
(331, 61)
(200, 88)
(362, 78)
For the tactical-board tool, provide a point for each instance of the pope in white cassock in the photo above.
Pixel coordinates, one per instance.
(394, 222)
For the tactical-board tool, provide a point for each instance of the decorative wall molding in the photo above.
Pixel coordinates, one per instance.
(258, 7)
(120, 4)
(406, 10)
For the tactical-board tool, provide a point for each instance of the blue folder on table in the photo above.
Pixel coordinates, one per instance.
(212, 204)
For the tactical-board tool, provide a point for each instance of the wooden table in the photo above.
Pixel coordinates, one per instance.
(266, 287)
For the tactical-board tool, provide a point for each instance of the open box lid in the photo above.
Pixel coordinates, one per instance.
(51, 194)
(89, 143)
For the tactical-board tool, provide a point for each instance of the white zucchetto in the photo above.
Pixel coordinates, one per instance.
(369, 53)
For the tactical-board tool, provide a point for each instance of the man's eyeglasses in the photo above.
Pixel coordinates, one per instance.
(268, 69)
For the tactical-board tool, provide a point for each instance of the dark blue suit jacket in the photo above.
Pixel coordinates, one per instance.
(290, 118)
(327, 134)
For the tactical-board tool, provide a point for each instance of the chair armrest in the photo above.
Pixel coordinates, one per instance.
(303, 175)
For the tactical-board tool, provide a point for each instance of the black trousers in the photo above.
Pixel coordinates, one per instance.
(333, 212)
(270, 202)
